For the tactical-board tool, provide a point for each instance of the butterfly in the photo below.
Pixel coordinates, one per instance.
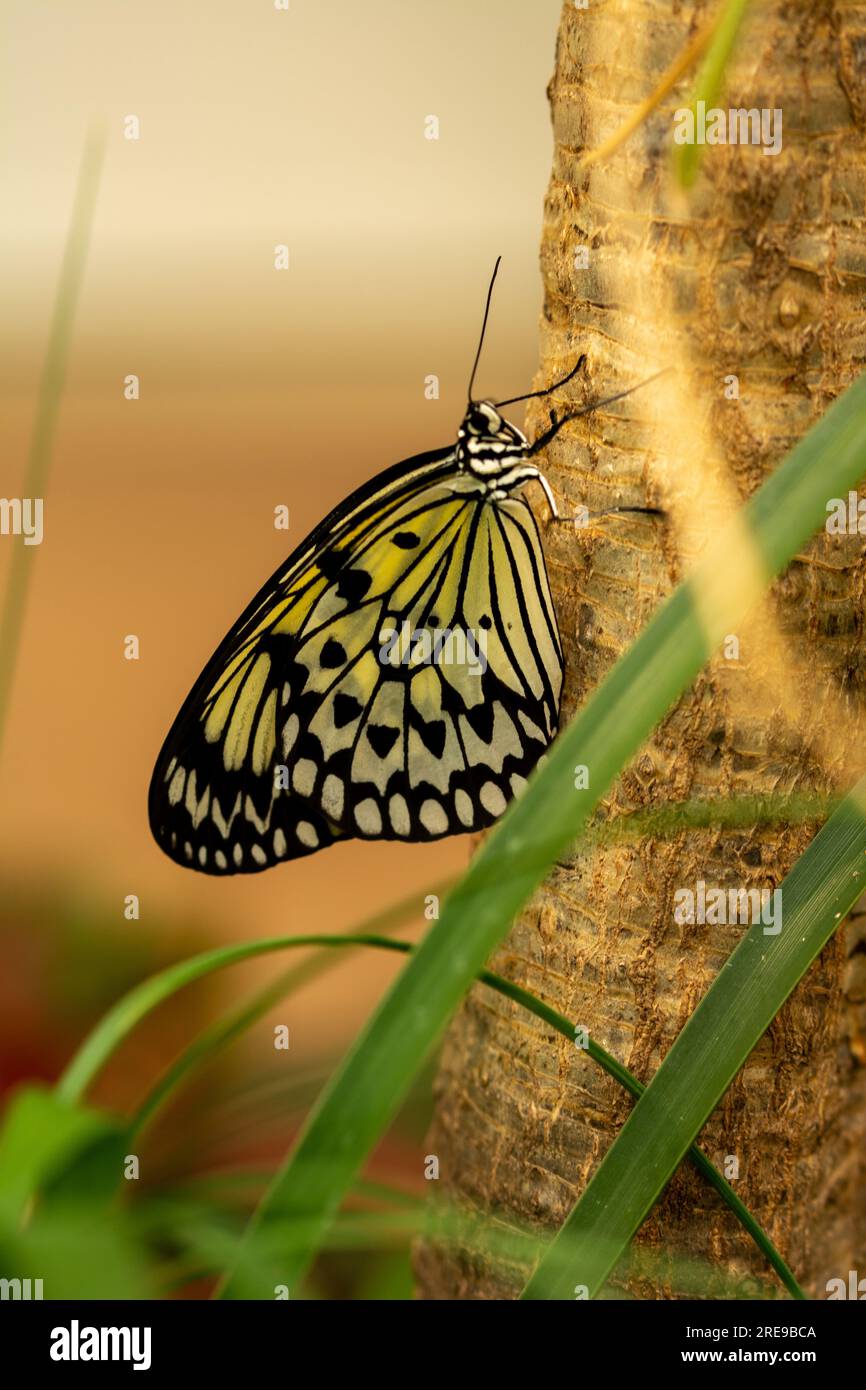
(397, 678)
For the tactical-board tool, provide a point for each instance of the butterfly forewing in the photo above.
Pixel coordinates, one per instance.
(398, 678)
(216, 803)
(219, 801)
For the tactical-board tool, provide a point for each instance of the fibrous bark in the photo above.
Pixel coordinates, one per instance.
(757, 274)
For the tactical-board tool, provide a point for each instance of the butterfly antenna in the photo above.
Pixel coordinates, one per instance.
(483, 329)
(544, 439)
(554, 385)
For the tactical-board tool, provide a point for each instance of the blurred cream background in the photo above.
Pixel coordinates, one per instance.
(258, 387)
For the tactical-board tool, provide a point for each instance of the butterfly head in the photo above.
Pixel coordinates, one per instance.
(487, 443)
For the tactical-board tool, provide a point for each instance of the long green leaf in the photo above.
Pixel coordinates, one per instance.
(215, 1038)
(709, 82)
(41, 1136)
(742, 1001)
(363, 1095)
(48, 400)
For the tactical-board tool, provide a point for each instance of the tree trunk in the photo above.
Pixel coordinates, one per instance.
(752, 285)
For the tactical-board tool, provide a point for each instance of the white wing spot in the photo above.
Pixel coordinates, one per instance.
(518, 784)
(224, 826)
(492, 799)
(433, 818)
(332, 796)
(238, 854)
(197, 807)
(368, 817)
(399, 813)
(290, 733)
(202, 855)
(252, 815)
(307, 834)
(216, 816)
(175, 791)
(279, 844)
(258, 854)
(531, 728)
(222, 862)
(304, 777)
(464, 808)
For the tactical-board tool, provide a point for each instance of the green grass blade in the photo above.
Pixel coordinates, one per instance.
(48, 402)
(119, 1022)
(672, 818)
(709, 83)
(217, 1037)
(364, 1094)
(225, 1030)
(740, 1004)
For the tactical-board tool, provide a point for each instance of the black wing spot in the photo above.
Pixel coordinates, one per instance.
(382, 739)
(333, 655)
(481, 720)
(354, 585)
(346, 708)
(485, 621)
(406, 540)
(330, 562)
(432, 735)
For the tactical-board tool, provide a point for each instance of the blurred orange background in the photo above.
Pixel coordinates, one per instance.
(259, 387)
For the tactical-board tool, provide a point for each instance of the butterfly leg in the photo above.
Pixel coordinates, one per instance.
(582, 517)
(551, 500)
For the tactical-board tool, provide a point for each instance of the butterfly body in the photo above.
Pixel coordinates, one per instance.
(397, 678)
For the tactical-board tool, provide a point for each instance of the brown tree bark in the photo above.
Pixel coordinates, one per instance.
(758, 274)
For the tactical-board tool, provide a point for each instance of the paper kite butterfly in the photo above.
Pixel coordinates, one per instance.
(398, 678)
